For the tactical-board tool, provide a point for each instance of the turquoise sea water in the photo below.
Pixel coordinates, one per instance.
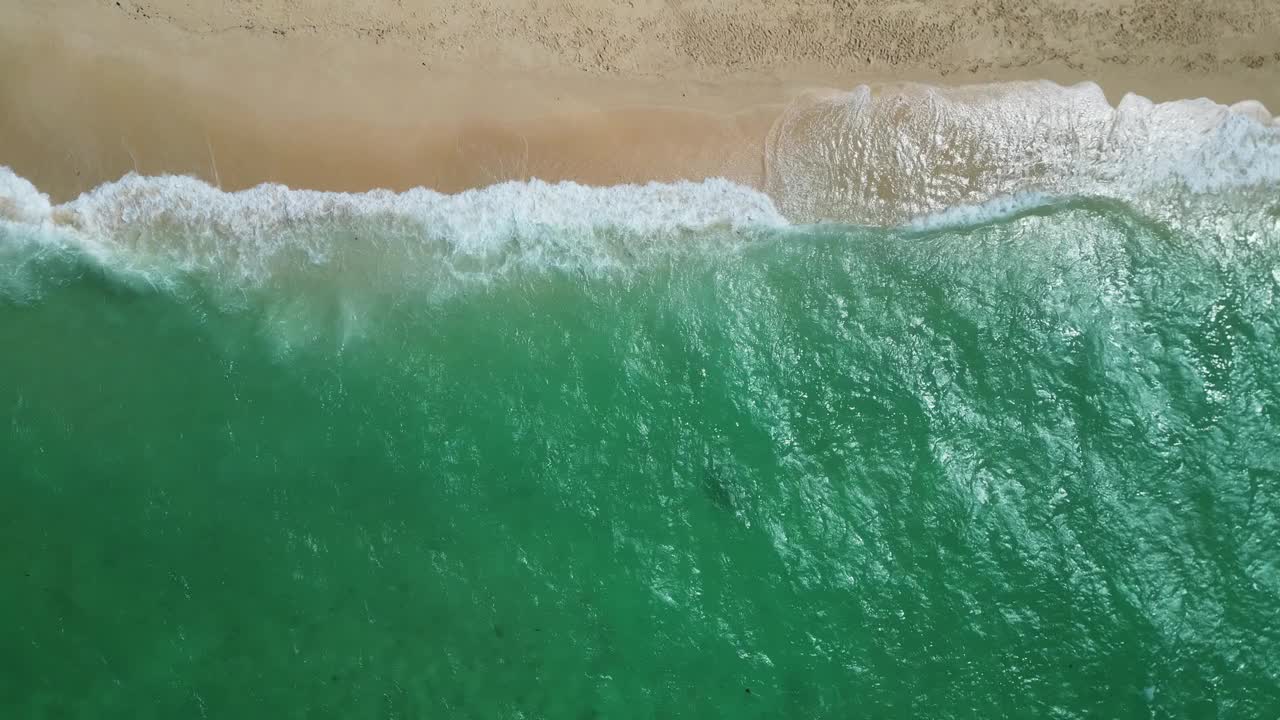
(1026, 468)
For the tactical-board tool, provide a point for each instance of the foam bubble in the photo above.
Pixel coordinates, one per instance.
(20, 201)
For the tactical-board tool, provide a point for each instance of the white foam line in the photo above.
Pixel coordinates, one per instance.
(185, 223)
(970, 215)
(569, 205)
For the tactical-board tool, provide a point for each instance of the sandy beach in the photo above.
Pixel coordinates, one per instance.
(323, 95)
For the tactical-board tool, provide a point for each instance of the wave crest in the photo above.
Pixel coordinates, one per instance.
(161, 224)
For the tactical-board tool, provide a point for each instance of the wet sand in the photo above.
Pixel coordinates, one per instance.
(326, 96)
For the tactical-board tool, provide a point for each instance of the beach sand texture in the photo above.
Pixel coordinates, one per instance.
(343, 96)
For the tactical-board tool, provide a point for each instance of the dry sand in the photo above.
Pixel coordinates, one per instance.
(330, 94)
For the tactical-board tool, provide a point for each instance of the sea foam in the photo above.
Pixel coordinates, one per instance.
(182, 223)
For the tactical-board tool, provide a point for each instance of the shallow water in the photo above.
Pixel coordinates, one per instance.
(1020, 460)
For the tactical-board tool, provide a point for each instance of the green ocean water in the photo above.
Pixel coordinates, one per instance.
(1028, 468)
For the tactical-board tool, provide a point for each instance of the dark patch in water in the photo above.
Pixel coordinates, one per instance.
(716, 488)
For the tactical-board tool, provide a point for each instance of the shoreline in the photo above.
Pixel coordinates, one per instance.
(105, 88)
